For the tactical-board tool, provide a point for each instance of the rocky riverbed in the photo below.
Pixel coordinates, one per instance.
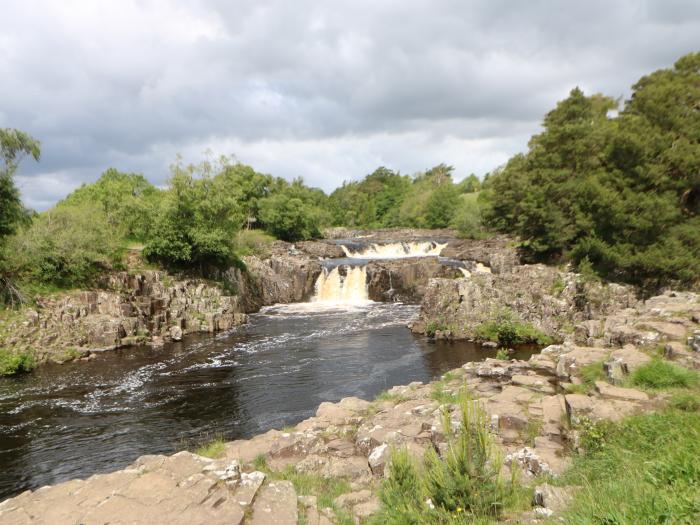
(534, 416)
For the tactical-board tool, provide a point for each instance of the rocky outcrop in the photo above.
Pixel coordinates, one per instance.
(129, 308)
(499, 254)
(280, 278)
(405, 280)
(551, 300)
(533, 420)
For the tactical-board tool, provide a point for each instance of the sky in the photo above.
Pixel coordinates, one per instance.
(327, 90)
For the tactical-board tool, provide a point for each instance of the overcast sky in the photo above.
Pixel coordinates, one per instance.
(327, 90)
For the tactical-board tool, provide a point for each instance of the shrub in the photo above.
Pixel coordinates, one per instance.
(659, 374)
(465, 486)
(67, 246)
(506, 331)
(15, 363)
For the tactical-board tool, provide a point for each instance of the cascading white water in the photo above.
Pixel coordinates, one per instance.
(396, 250)
(334, 288)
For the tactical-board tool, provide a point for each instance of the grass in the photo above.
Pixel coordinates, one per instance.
(326, 490)
(643, 470)
(12, 363)
(686, 401)
(658, 374)
(439, 392)
(213, 449)
(589, 374)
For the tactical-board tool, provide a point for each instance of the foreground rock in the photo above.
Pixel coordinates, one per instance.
(533, 420)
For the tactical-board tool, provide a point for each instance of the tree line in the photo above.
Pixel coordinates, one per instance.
(615, 191)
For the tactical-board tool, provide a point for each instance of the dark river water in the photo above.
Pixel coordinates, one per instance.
(74, 420)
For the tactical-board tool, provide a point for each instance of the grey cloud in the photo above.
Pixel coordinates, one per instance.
(320, 89)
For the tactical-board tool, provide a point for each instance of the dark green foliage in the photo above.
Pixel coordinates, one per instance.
(659, 374)
(294, 213)
(623, 193)
(14, 145)
(195, 222)
(644, 470)
(387, 199)
(371, 203)
(508, 331)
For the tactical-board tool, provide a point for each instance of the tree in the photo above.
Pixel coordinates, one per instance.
(622, 194)
(127, 199)
(195, 223)
(287, 217)
(14, 146)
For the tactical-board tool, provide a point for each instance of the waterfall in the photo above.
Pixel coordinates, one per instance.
(396, 250)
(334, 288)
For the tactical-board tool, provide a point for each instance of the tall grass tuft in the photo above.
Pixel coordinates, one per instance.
(464, 486)
(658, 374)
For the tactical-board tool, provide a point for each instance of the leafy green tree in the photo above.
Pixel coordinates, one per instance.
(622, 193)
(441, 206)
(288, 217)
(128, 200)
(67, 246)
(14, 146)
(195, 223)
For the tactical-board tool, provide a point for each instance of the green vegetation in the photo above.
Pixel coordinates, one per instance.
(620, 192)
(503, 354)
(14, 145)
(643, 470)
(686, 401)
(659, 374)
(15, 363)
(213, 449)
(430, 199)
(432, 327)
(326, 490)
(463, 487)
(507, 331)
(618, 195)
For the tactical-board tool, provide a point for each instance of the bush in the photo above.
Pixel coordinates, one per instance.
(465, 486)
(659, 374)
(289, 218)
(67, 246)
(15, 363)
(506, 331)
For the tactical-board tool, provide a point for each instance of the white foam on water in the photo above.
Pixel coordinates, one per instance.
(396, 250)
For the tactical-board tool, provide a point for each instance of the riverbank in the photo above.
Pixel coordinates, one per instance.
(330, 468)
(151, 307)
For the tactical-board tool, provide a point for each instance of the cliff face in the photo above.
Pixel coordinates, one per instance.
(128, 309)
(152, 307)
(405, 280)
(551, 300)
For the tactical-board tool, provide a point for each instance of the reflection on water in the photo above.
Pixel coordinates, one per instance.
(70, 421)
